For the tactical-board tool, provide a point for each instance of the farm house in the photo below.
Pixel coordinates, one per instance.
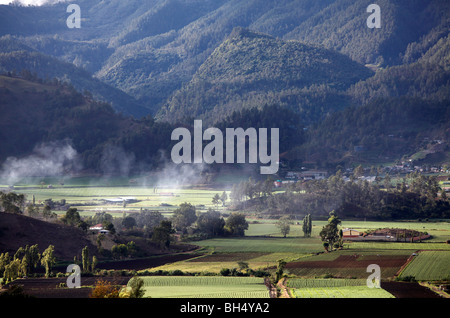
(98, 228)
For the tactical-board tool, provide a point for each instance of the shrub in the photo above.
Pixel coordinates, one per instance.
(177, 272)
(104, 289)
(408, 278)
(225, 272)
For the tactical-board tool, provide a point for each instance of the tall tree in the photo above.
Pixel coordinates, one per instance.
(72, 217)
(284, 224)
(162, 234)
(48, 259)
(330, 232)
(12, 202)
(85, 259)
(216, 199)
(136, 284)
(224, 197)
(211, 223)
(184, 216)
(236, 224)
(307, 225)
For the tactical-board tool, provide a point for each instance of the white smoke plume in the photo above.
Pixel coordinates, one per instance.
(48, 159)
(116, 161)
(167, 174)
(176, 176)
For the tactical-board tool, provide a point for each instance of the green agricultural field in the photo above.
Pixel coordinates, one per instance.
(204, 287)
(89, 199)
(214, 263)
(324, 282)
(264, 245)
(334, 288)
(439, 230)
(341, 292)
(429, 265)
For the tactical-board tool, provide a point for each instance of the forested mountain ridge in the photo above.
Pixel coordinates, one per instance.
(181, 59)
(15, 56)
(151, 49)
(386, 129)
(36, 112)
(253, 70)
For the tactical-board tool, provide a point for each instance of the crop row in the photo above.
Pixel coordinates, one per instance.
(341, 292)
(324, 283)
(200, 281)
(204, 287)
(429, 265)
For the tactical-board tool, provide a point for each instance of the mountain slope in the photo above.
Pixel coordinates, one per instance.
(16, 56)
(150, 49)
(427, 77)
(36, 113)
(252, 70)
(18, 231)
(387, 129)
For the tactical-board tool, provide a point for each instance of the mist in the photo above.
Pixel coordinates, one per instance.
(116, 161)
(47, 160)
(176, 176)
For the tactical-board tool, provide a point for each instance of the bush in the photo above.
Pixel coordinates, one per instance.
(177, 272)
(225, 272)
(261, 273)
(408, 278)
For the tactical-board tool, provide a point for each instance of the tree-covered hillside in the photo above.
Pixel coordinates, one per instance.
(181, 59)
(151, 49)
(36, 112)
(253, 70)
(385, 130)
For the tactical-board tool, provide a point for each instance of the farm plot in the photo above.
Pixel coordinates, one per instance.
(334, 288)
(264, 245)
(341, 292)
(350, 264)
(429, 265)
(91, 199)
(204, 287)
(214, 263)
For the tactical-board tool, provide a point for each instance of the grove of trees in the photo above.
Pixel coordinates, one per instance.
(414, 196)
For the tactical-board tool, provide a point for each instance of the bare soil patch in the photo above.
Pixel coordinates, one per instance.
(408, 290)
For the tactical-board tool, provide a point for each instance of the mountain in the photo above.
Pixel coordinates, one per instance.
(385, 130)
(252, 70)
(15, 56)
(151, 49)
(42, 119)
(210, 59)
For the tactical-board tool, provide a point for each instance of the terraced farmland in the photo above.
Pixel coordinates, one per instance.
(204, 287)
